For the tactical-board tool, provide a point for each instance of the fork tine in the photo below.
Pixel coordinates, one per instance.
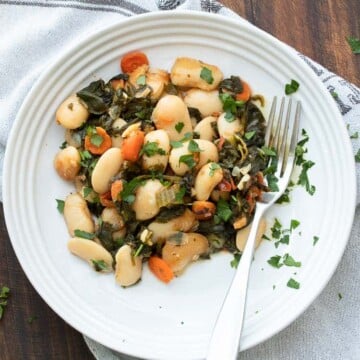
(289, 164)
(284, 145)
(269, 126)
(276, 141)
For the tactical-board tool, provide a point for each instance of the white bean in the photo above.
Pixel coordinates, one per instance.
(180, 168)
(179, 256)
(128, 268)
(243, 234)
(228, 129)
(207, 102)
(171, 114)
(72, 113)
(207, 178)
(204, 128)
(67, 163)
(157, 161)
(107, 166)
(156, 79)
(111, 216)
(77, 215)
(92, 252)
(188, 72)
(209, 152)
(145, 205)
(117, 139)
(162, 230)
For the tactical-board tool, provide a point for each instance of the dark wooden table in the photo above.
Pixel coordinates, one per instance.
(316, 28)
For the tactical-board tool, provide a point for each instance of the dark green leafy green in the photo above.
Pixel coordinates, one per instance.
(84, 234)
(231, 106)
(223, 210)
(129, 189)
(234, 263)
(99, 265)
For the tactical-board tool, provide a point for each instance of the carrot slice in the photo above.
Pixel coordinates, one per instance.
(105, 199)
(100, 144)
(132, 145)
(160, 269)
(245, 94)
(116, 189)
(132, 61)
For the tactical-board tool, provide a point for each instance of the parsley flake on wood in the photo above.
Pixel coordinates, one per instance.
(151, 149)
(292, 87)
(206, 74)
(179, 126)
(4, 295)
(60, 205)
(84, 234)
(235, 261)
(293, 284)
(354, 44)
(32, 318)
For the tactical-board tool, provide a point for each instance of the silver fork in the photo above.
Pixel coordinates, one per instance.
(225, 339)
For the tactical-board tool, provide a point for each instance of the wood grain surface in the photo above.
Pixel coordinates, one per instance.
(316, 28)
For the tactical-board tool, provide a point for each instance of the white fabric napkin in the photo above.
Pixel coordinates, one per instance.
(35, 32)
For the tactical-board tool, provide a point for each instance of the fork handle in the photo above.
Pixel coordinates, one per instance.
(225, 339)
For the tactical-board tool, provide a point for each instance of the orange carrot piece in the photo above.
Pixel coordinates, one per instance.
(103, 146)
(160, 269)
(132, 61)
(105, 199)
(116, 189)
(245, 94)
(132, 145)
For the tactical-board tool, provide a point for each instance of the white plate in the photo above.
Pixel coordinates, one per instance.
(153, 320)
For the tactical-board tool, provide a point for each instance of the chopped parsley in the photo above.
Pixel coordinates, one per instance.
(355, 135)
(357, 156)
(285, 197)
(292, 87)
(129, 188)
(96, 140)
(179, 126)
(87, 191)
(213, 168)
(194, 147)
(178, 144)
(340, 296)
(290, 261)
(230, 106)
(84, 234)
(99, 265)
(268, 151)
(249, 135)
(4, 295)
(206, 74)
(188, 160)
(139, 250)
(354, 44)
(63, 145)
(304, 179)
(235, 261)
(151, 149)
(141, 80)
(223, 210)
(275, 261)
(60, 205)
(315, 240)
(180, 195)
(294, 224)
(281, 235)
(32, 318)
(293, 284)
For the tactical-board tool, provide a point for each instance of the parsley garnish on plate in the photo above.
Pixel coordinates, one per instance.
(223, 210)
(151, 149)
(235, 261)
(213, 167)
(60, 205)
(354, 44)
(293, 284)
(230, 106)
(357, 156)
(206, 74)
(99, 265)
(315, 240)
(292, 87)
(340, 296)
(275, 261)
(193, 147)
(249, 135)
(188, 160)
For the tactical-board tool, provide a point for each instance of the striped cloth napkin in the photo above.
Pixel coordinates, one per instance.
(36, 31)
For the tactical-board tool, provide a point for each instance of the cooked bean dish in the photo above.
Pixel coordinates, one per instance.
(167, 167)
